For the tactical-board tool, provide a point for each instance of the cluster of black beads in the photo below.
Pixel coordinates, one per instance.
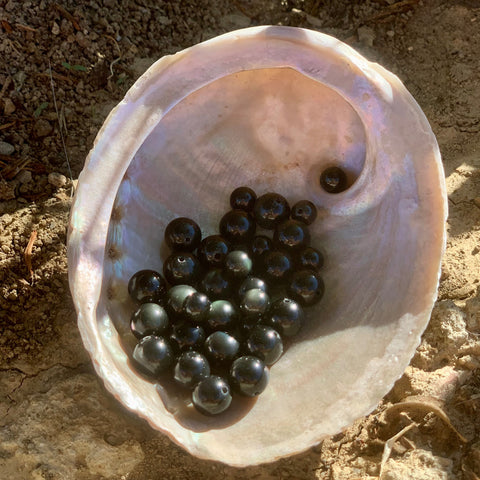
(218, 317)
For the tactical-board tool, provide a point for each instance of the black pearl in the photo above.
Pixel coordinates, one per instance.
(153, 355)
(265, 343)
(187, 337)
(249, 376)
(238, 265)
(212, 395)
(212, 251)
(182, 268)
(291, 235)
(191, 367)
(306, 287)
(243, 198)
(195, 308)
(333, 180)
(270, 210)
(250, 283)
(254, 303)
(309, 258)
(216, 285)
(221, 347)
(259, 246)
(277, 266)
(183, 234)
(223, 315)
(237, 227)
(176, 297)
(147, 286)
(304, 211)
(286, 316)
(149, 319)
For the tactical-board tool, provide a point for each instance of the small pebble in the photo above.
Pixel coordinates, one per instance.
(25, 176)
(8, 106)
(42, 128)
(57, 179)
(6, 148)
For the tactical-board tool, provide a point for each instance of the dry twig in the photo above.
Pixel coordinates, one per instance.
(28, 254)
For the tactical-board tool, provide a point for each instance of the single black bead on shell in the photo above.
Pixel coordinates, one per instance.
(254, 303)
(187, 337)
(306, 287)
(249, 376)
(237, 227)
(181, 268)
(183, 234)
(147, 286)
(176, 296)
(212, 251)
(333, 180)
(265, 343)
(216, 285)
(223, 315)
(243, 198)
(221, 347)
(304, 211)
(191, 367)
(277, 267)
(212, 395)
(286, 316)
(291, 235)
(309, 258)
(149, 319)
(153, 355)
(195, 308)
(249, 284)
(238, 265)
(270, 210)
(260, 245)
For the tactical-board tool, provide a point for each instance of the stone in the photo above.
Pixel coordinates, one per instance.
(8, 106)
(25, 176)
(57, 179)
(6, 148)
(42, 128)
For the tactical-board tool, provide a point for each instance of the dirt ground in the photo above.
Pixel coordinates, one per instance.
(57, 421)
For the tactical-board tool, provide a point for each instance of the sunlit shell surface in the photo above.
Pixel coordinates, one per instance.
(268, 107)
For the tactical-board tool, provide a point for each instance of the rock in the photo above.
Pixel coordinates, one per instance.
(366, 35)
(57, 179)
(7, 190)
(55, 28)
(42, 128)
(25, 176)
(6, 148)
(8, 106)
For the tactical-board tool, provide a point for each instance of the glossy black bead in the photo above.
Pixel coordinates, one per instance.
(249, 376)
(191, 367)
(212, 251)
(265, 343)
(183, 234)
(187, 337)
(216, 285)
(153, 355)
(195, 308)
(291, 235)
(304, 211)
(285, 316)
(212, 395)
(254, 303)
(147, 286)
(259, 247)
(309, 258)
(181, 268)
(149, 319)
(250, 283)
(223, 315)
(270, 210)
(243, 198)
(221, 347)
(237, 227)
(306, 287)
(238, 265)
(333, 180)
(277, 266)
(175, 299)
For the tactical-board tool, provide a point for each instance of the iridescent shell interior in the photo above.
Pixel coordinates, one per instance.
(271, 108)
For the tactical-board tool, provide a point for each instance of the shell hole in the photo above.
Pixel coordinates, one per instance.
(333, 180)
(225, 390)
(217, 256)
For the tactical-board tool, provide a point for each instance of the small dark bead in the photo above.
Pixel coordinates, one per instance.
(212, 395)
(310, 258)
(237, 227)
(250, 283)
(175, 299)
(221, 347)
(182, 268)
(149, 319)
(183, 234)
(195, 308)
(304, 211)
(254, 303)
(306, 287)
(291, 235)
(187, 337)
(249, 376)
(216, 285)
(243, 198)
(191, 367)
(286, 316)
(333, 180)
(153, 355)
(270, 210)
(147, 286)
(222, 315)
(265, 343)
(259, 247)
(277, 266)
(212, 251)
(237, 265)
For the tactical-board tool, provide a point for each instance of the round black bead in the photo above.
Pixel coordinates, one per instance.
(291, 235)
(212, 251)
(286, 316)
(187, 337)
(306, 287)
(176, 297)
(153, 355)
(149, 319)
(243, 198)
(254, 303)
(147, 286)
(304, 211)
(249, 376)
(333, 180)
(259, 246)
(221, 347)
(310, 258)
(249, 284)
(265, 343)
(223, 315)
(212, 395)
(270, 210)
(183, 234)
(237, 227)
(191, 368)
(196, 307)
(216, 285)
(277, 266)
(181, 268)
(237, 265)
